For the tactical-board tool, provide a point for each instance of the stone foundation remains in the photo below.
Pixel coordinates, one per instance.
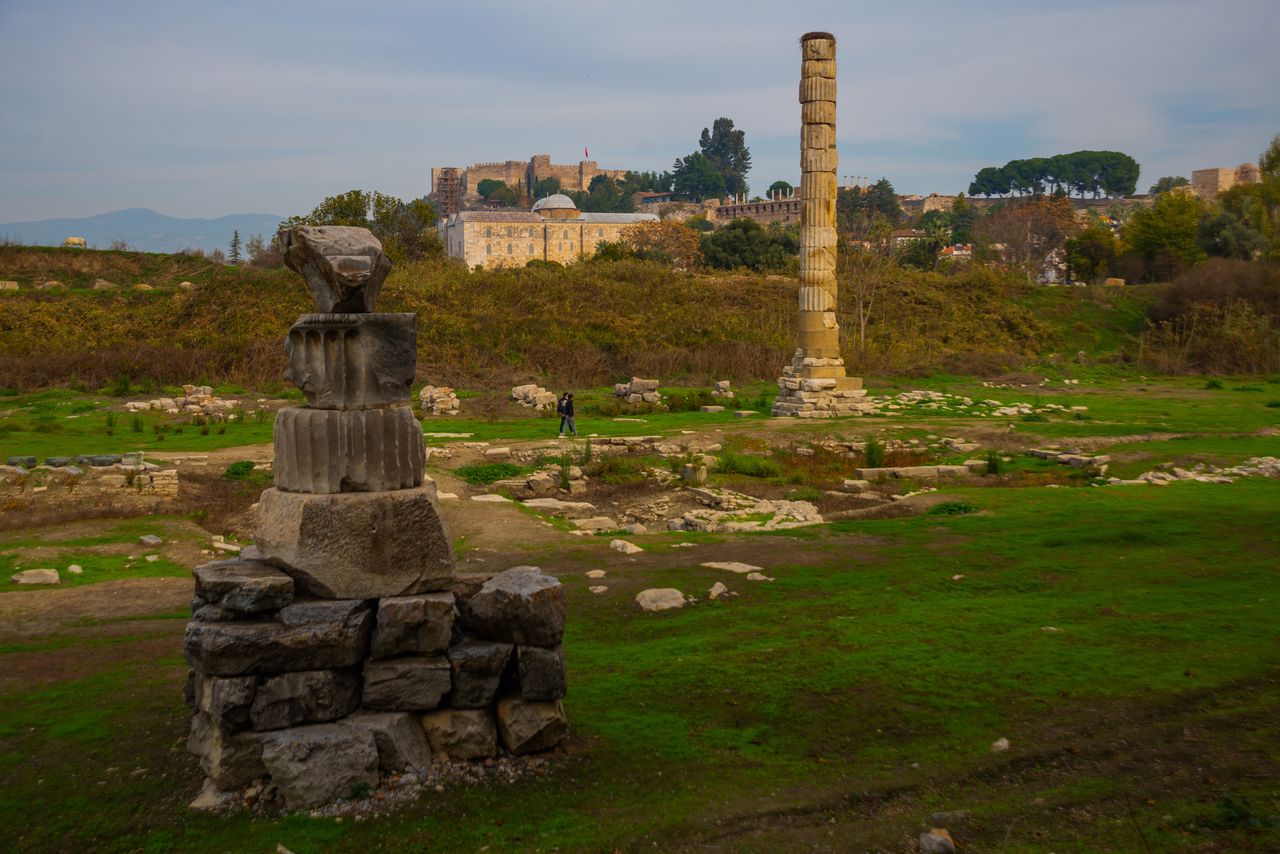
(341, 646)
(638, 391)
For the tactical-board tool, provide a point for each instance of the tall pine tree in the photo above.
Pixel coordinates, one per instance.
(234, 255)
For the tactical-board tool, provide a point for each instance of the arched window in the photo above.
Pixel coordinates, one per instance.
(566, 234)
(530, 248)
(509, 252)
(488, 249)
(488, 232)
(600, 232)
(511, 232)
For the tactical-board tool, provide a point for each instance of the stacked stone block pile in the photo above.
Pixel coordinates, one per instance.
(340, 646)
(534, 396)
(638, 390)
(438, 400)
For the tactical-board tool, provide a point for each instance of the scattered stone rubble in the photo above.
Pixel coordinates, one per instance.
(727, 511)
(340, 651)
(1205, 473)
(722, 390)
(88, 475)
(533, 396)
(197, 400)
(438, 400)
(638, 391)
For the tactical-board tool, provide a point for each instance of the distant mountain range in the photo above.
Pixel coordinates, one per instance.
(143, 229)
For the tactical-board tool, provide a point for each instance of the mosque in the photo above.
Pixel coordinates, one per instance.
(553, 230)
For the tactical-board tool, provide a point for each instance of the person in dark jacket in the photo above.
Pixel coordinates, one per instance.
(565, 408)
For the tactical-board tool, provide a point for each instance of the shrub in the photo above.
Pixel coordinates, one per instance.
(750, 465)
(135, 424)
(1035, 417)
(995, 462)
(1213, 384)
(873, 454)
(952, 508)
(485, 473)
(1273, 404)
(618, 468)
(240, 470)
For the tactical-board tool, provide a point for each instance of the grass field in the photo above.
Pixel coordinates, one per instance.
(1124, 639)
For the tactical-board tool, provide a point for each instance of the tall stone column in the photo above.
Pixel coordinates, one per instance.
(815, 383)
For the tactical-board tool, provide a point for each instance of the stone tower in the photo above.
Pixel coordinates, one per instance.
(815, 385)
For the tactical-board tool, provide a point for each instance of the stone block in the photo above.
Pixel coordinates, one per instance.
(541, 671)
(313, 765)
(817, 89)
(461, 733)
(517, 606)
(641, 386)
(821, 46)
(226, 701)
(248, 647)
(230, 760)
(243, 586)
(357, 545)
(344, 266)
(413, 624)
(400, 739)
(818, 68)
(352, 361)
(309, 696)
(368, 450)
(818, 113)
(477, 668)
(414, 684)
(527, 727)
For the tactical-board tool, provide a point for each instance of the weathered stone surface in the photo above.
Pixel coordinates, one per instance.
(461, 733)
(35, 576)
(309, 696)
(414, 684)
(243, 586)
(313, 765)
(400, 739)
(659, 599)
(225, 700)
(323, 451)
(937, 841)
(344, 266)
(147, 539)
(477, 668)
(303, 641)
(413, 624)
(541, 672)
(230, 760)
(352, 361)
(527, 727)
(517, 606)
(358, 545)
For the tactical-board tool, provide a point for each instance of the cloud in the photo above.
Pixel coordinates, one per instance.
(201, 111)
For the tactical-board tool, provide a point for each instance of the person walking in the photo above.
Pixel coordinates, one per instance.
(565, 408)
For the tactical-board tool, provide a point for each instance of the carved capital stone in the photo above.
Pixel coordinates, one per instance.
(344, 266)
(352, 361)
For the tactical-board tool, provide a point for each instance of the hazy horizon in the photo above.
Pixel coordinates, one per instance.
(200, 115)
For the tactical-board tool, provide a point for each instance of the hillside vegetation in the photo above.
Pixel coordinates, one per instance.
(587, 324)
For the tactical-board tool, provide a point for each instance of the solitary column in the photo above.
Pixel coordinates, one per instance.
(815, 384)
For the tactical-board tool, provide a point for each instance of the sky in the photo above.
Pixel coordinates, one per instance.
(201, 109)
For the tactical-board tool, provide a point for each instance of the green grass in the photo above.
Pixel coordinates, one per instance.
(853, 664)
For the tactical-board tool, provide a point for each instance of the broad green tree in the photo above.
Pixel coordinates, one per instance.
(697, 178)
(1167, 183)
(407, 230)
(745, 243)
(1090, 253)
(1165, 234)
(780, 187)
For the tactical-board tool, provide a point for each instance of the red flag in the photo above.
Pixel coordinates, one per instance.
(586, 155)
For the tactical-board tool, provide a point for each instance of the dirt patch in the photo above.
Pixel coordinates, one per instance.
(29, 614)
